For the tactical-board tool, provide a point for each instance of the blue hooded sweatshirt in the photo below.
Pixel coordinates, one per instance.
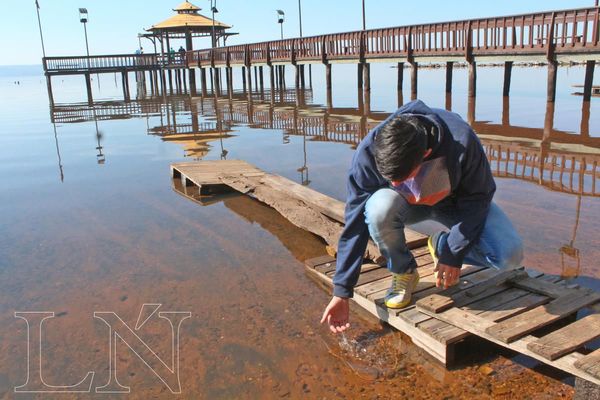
(471, 190)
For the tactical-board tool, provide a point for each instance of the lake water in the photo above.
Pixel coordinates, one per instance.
(91, 222)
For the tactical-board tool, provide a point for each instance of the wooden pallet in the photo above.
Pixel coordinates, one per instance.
(557, 348)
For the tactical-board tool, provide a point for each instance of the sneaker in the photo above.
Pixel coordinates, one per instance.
(398, 296)
(432, 243)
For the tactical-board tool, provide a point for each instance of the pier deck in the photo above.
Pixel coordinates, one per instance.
(507, 307)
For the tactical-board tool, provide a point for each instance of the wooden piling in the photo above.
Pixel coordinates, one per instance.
(212, 80)
(170, 74)
(256, 75)
(449, 67)
(507, 77)
(472, 86)
(49, 87)
(297, 77)
(230, 81)
(359, 76)
(400, 83)
(203, 81)
(249, 70)
(506, 111)
(448, 102)
(88, 85)
(414, 72)
(244, 79)
(192, 75)
(185, 80)
(272, 83)
(328, 84)
(261, 79)
(589, 79)
(551, 89)
(302, 80)
(367, 86)
(217, 82)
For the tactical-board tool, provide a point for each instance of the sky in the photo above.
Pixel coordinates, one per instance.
(114, 24)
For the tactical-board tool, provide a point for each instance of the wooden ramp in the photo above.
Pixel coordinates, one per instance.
(506, 307)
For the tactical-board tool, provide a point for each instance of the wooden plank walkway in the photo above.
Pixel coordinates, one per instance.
(505, 307)
(557, 348)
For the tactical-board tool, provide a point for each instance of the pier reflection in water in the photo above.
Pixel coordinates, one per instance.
(566, 163)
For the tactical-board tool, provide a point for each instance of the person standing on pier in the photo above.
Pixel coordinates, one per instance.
(420, 164)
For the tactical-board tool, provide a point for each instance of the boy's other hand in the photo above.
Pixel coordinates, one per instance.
(337, 314)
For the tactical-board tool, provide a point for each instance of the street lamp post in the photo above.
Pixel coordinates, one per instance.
(363, 12)
(213, 9)
(281, 20)
(300, 15)
(83, 18)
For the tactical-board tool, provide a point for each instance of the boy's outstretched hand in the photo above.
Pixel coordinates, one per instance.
(337, 314)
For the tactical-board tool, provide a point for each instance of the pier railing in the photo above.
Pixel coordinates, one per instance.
(112, 62)
(545, 34)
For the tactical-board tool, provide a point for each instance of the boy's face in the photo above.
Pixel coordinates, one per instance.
(414, 171)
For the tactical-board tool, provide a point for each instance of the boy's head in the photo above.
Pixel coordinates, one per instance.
(400, 146)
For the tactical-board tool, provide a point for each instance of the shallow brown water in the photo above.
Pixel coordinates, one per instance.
(115, 235)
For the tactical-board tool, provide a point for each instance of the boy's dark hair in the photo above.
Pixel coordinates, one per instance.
(400, 146)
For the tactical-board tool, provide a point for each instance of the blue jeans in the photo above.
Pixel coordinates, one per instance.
(387, 213)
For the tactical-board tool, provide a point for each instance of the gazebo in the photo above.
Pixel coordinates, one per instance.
(186, 24)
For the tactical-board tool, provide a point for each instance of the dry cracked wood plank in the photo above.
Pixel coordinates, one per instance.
(384, 284)
(522, 324)
(316, 261)
(568, 338)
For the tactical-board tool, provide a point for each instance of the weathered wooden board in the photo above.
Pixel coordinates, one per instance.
(568, 338)
(590, 364)
(304, 207)
(516, 327)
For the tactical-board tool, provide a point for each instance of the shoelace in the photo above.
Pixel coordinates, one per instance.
(400, 281)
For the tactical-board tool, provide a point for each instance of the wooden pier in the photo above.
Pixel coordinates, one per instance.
(507, 308)
(550, 37)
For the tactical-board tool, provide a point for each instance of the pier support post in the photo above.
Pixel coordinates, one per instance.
(359, 76)
(249, 70)
(170, 81)
(156, 84)
(272, 83)
(203, 81)
(256, 76)
(589, 79)
(178, 82)
(261, 78)
(400, 83)
(230, 81)
(88, 85)
(414, 73)
(244, 79)
(506, 111)
(310, 75)
(192, 75)
(367, 87)
(552, 71)
(507, 76)
(163, 81)
(185, 80)
(297, 77)
(211, 79)
(472, 88)
(217, 83)
(49, 87)
(449, 67)
(471, 110)
(302, 80)
(328, 84)
(151, 82)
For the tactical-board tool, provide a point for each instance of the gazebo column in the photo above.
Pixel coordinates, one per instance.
(189, 46)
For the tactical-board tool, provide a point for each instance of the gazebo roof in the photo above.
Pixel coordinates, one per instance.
(186, 6)
(188, 17)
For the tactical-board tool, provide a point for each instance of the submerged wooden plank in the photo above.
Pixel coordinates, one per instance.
(568, 338)
(515, 327)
